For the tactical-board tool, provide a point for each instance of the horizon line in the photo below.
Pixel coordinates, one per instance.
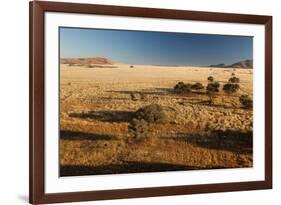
(158, 64)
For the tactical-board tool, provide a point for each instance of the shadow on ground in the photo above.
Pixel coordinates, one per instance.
(105, 116)
(73, 135)
(234, 141)
(126, 167)
(207, 103)
(155, 91)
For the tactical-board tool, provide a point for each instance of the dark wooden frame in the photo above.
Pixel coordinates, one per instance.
(36, 150)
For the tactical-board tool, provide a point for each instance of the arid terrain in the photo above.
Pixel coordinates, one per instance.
(98, 103)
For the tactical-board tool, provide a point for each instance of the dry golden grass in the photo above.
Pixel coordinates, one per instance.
(96, 107)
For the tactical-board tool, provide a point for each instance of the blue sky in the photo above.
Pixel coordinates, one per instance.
(140, 47)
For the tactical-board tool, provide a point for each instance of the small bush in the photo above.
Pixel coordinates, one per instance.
(246, 101)
(138, 128)
(197, 86)
(234, 80)
(212, 88)
(137, 96)
(179, 85)
(211, 79)
(182, 88)
(153, 113)
(131, 66)
(231, 88)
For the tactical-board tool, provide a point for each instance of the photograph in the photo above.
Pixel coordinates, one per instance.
(149, 101)
(133, 102)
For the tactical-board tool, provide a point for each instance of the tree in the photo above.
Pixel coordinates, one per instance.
(211, 79)
(234, 80)
(138, 128)
(153, 113)
(197, 86)
(212, 88)
(230, 88)
(182, 88)
(246, 101)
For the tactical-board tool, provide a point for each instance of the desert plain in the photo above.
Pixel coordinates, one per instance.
(97, 104)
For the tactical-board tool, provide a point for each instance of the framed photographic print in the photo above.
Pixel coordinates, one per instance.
(139, 102)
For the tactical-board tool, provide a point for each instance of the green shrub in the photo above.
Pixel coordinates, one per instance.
(138, 128)
(231, 88)
(197, 86)
(182, 88)
(153, 113)
(212, 88)
(246, 101)
(135, 96)
(179, 85)
(234, 80)
(211, 79)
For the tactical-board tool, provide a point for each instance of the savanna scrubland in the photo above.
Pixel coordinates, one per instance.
(139, 118)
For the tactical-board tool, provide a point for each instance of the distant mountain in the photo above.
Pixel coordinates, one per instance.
(243, 64)
(221, 65)
(240, 64)
(87, 61)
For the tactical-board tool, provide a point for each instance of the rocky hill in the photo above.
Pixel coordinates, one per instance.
(87, 61)
(240, 64)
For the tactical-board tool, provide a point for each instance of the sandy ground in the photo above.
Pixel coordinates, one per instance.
(94, 115)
